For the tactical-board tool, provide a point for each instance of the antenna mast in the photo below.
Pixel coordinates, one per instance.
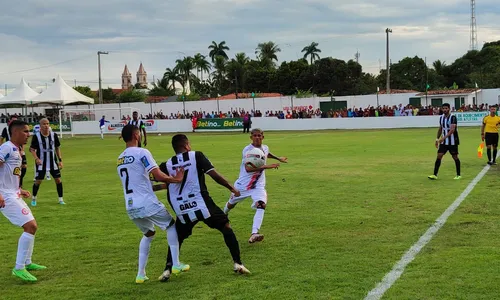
(473, 27)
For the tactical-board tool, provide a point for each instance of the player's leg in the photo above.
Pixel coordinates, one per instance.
(164, 220)
(184, 230)
(233, 200)
(489, 144)
(148, 229)
(454, 154)
(39, 176)
(19, 214)
(259, 198)
(441, 152)
(495, 148)
(59, 186)
(219, 220)
(102, 132)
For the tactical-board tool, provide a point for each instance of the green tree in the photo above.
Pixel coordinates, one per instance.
(85, 90)
(312, 51)
(132, 96)
(201, 64)
(108, 96)
(267, 53)
(218, 50)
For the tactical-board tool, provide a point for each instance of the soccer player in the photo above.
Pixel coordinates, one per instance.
(252, 183)
(5, 138)
(490, 126)
(135, 166)
(191, 201)
(142, 127)
(45, 148)
(102, 125)
(11, 205)
(447, 140)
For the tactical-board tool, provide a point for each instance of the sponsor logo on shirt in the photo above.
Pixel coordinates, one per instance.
(145, 161)
(125, 160)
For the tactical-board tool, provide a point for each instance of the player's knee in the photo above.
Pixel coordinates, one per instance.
(30, 227)
(261, 205)
(149, 234)
(230, 206)
(227, 229)
(58, 180)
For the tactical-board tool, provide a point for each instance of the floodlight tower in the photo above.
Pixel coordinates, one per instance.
(473, 27)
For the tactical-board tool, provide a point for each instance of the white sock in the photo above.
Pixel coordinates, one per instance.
(102, 135)
(61, 199)
(26, 242)
(144, 247)
(257, 220)
(173, 243)
(226, 209)
(30, 252)
(33, 198)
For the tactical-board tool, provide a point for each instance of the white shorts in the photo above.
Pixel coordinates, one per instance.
(102, 127)
(256, 195)
(161, 219)
(17, 211)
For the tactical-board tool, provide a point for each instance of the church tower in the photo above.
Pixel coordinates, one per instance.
(126, 79)
(142, 77)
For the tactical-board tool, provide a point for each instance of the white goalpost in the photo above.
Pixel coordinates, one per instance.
(70, 115)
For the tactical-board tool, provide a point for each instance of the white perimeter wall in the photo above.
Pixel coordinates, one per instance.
(294, 124)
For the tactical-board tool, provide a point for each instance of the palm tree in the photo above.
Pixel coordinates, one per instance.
(312, 50)
(439, 66)
(267, 51)
(170, 76)
(184, 67)
(218, 50)
(220, 71)
(201, 64)
(236, 68)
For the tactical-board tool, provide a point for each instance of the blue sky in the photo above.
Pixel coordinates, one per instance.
(41, 33)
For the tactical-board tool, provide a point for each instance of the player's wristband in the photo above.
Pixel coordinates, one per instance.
(60, 159)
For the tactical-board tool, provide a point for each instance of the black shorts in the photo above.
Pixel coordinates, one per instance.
(445, 148)
(491, 138)
(40, 175)
(217, 220)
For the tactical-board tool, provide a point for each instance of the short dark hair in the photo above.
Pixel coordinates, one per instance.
(128, 132)
(135, 112)
(446, 105)
(179, 141)
(16, 124)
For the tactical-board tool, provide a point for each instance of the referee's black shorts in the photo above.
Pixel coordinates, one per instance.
(491, 138)
(453, 149)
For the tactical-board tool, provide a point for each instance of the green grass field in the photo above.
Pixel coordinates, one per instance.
(347, 206)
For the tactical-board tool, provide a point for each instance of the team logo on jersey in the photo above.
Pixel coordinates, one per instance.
(145, 161)
(130, 202)
(125, 160)
(17, 171)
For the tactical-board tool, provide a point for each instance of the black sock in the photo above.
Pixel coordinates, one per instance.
(59, 189)
(494, 155)
(232, 244)
(23, 173)
(489, 154)
(437, 164)
(457, 165)
(35, 189)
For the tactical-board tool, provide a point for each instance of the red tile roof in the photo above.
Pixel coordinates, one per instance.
(395, 91)
(448, 92)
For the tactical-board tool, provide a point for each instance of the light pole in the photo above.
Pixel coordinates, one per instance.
(99, 68)
(387, 31)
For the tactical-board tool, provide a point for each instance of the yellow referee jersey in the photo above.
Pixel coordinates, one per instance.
(491, 124)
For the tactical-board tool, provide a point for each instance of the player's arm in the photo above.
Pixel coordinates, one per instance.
(158, 175)
(438, 137)
(57, 145)
(217, 177)
(33, 147)
(4, 136)
(280, 159)
(482, 128)
(250, 168)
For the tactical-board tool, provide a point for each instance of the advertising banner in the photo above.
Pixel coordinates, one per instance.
(221, 124)
(116, 126)
(471, 117)
(66, 126)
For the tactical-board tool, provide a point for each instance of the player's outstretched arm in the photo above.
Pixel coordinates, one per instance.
(162, 177)
(280, 159)
(250, 168)
(222, 181)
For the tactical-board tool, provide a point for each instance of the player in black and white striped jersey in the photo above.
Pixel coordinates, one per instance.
(447, 140)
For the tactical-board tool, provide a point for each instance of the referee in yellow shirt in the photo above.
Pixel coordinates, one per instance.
(489, 134)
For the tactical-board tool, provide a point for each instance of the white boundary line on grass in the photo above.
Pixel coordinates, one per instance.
(398, 269)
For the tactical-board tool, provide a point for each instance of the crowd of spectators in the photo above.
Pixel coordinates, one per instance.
(308, 113)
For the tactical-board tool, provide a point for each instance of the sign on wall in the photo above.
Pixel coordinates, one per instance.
(151, 125)
(66, 126)
(229, 123)
(471, 117)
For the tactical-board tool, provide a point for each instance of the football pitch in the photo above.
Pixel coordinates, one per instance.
(340, 214)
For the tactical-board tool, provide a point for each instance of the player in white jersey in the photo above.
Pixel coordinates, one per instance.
(12, 205)
(135, 166)
(252, 183)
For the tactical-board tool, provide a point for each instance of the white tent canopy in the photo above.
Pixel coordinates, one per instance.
(61, 93)
(21, 95)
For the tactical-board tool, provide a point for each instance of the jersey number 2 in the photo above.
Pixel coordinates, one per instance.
(125, 171)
